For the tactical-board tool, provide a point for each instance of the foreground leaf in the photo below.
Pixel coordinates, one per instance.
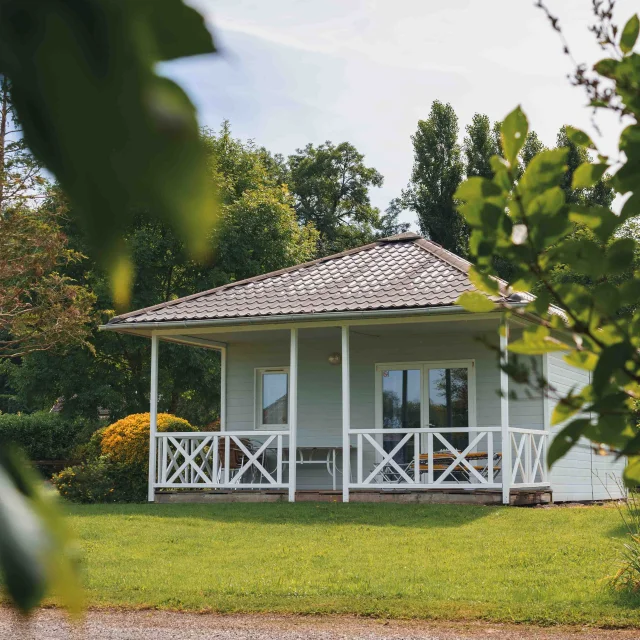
(630, 34)
(476, 302)
(130, 137)
(513, 134)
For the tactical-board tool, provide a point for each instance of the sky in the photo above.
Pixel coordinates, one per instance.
(290, 72)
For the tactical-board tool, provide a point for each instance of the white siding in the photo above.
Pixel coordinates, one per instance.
(578, 476)
(319, 383)
(581, 474)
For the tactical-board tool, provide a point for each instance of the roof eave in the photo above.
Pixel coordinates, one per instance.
(338, 316)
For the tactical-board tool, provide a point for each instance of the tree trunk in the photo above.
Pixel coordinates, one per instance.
(4, 113)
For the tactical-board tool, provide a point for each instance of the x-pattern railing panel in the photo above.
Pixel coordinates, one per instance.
(460, 458)
(388, 458)
(232, 459)
(253, 460)
(388, 470)
(528, 447)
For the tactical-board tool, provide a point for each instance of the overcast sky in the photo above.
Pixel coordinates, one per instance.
(365, 71)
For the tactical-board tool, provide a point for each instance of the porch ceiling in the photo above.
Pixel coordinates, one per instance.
(470, 325)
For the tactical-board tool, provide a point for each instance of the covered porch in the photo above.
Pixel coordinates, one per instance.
(408, 407)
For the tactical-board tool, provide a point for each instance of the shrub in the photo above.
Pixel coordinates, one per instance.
(127, 441)
(44, 435)
(87, 482)
(627, 577)
(116, 461)
(101, 480)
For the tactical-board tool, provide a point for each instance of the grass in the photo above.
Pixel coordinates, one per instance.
(433, 561)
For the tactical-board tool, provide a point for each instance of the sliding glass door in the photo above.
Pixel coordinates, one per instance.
(401, 407)
(448, 406)
(437, 395)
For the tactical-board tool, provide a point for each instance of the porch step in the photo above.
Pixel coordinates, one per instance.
(449, 496)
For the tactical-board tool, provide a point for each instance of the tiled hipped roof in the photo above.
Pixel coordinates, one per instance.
(400, 272)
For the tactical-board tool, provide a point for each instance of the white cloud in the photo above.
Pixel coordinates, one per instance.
(295, 71)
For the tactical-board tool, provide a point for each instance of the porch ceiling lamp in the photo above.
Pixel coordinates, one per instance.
(335, 358)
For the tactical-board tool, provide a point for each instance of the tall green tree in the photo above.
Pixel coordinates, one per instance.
(479, 146)
(257, 232)
(437, 172)
(331, 185)
(601, 193)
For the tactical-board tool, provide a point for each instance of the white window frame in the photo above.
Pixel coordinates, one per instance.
(257, 398)
(424, 366)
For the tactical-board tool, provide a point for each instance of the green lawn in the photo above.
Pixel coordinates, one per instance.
(526, 565)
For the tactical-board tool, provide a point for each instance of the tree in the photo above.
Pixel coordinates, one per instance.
(482, 142)
(601, 193)
(257, 232)
(330, 184)
(40, 309)
(390, 224)
(531, 220)
(479, 147)
(437, 172)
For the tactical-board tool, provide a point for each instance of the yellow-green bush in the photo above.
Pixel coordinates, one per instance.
(127, 441)
(115, 461)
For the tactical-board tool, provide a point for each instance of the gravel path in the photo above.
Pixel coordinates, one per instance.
(158, 625)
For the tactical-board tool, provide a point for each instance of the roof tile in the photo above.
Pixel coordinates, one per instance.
(404, 271)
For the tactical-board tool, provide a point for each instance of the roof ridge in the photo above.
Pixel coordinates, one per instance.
(258, 278)
(453, 259)
(444, 254)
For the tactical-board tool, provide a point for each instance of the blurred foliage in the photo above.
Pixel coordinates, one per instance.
(72, 65)
(556, 217)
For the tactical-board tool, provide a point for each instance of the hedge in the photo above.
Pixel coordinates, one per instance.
(44, 435)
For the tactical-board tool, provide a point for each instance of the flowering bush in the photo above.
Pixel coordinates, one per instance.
(127, 441)
(116, 461)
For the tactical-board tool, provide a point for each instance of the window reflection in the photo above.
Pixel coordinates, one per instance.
(400, 408)
(275, 398)
(449, 402)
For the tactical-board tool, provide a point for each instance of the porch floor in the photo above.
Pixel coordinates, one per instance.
(518, 497)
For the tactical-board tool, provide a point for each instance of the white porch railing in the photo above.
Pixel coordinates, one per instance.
(227, 460)
(260, 459)
(528, 456)
(436, 461)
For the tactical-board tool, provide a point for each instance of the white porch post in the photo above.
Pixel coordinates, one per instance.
(346, 415)
(293, 414)
(153, 415)
(546, 414)
(504, 413)
(223, 389)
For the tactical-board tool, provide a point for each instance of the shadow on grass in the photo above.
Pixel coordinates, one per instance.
(307, 514)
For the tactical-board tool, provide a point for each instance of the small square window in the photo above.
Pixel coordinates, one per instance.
(272, 398)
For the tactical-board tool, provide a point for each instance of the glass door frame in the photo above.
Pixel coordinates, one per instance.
(425, 366)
